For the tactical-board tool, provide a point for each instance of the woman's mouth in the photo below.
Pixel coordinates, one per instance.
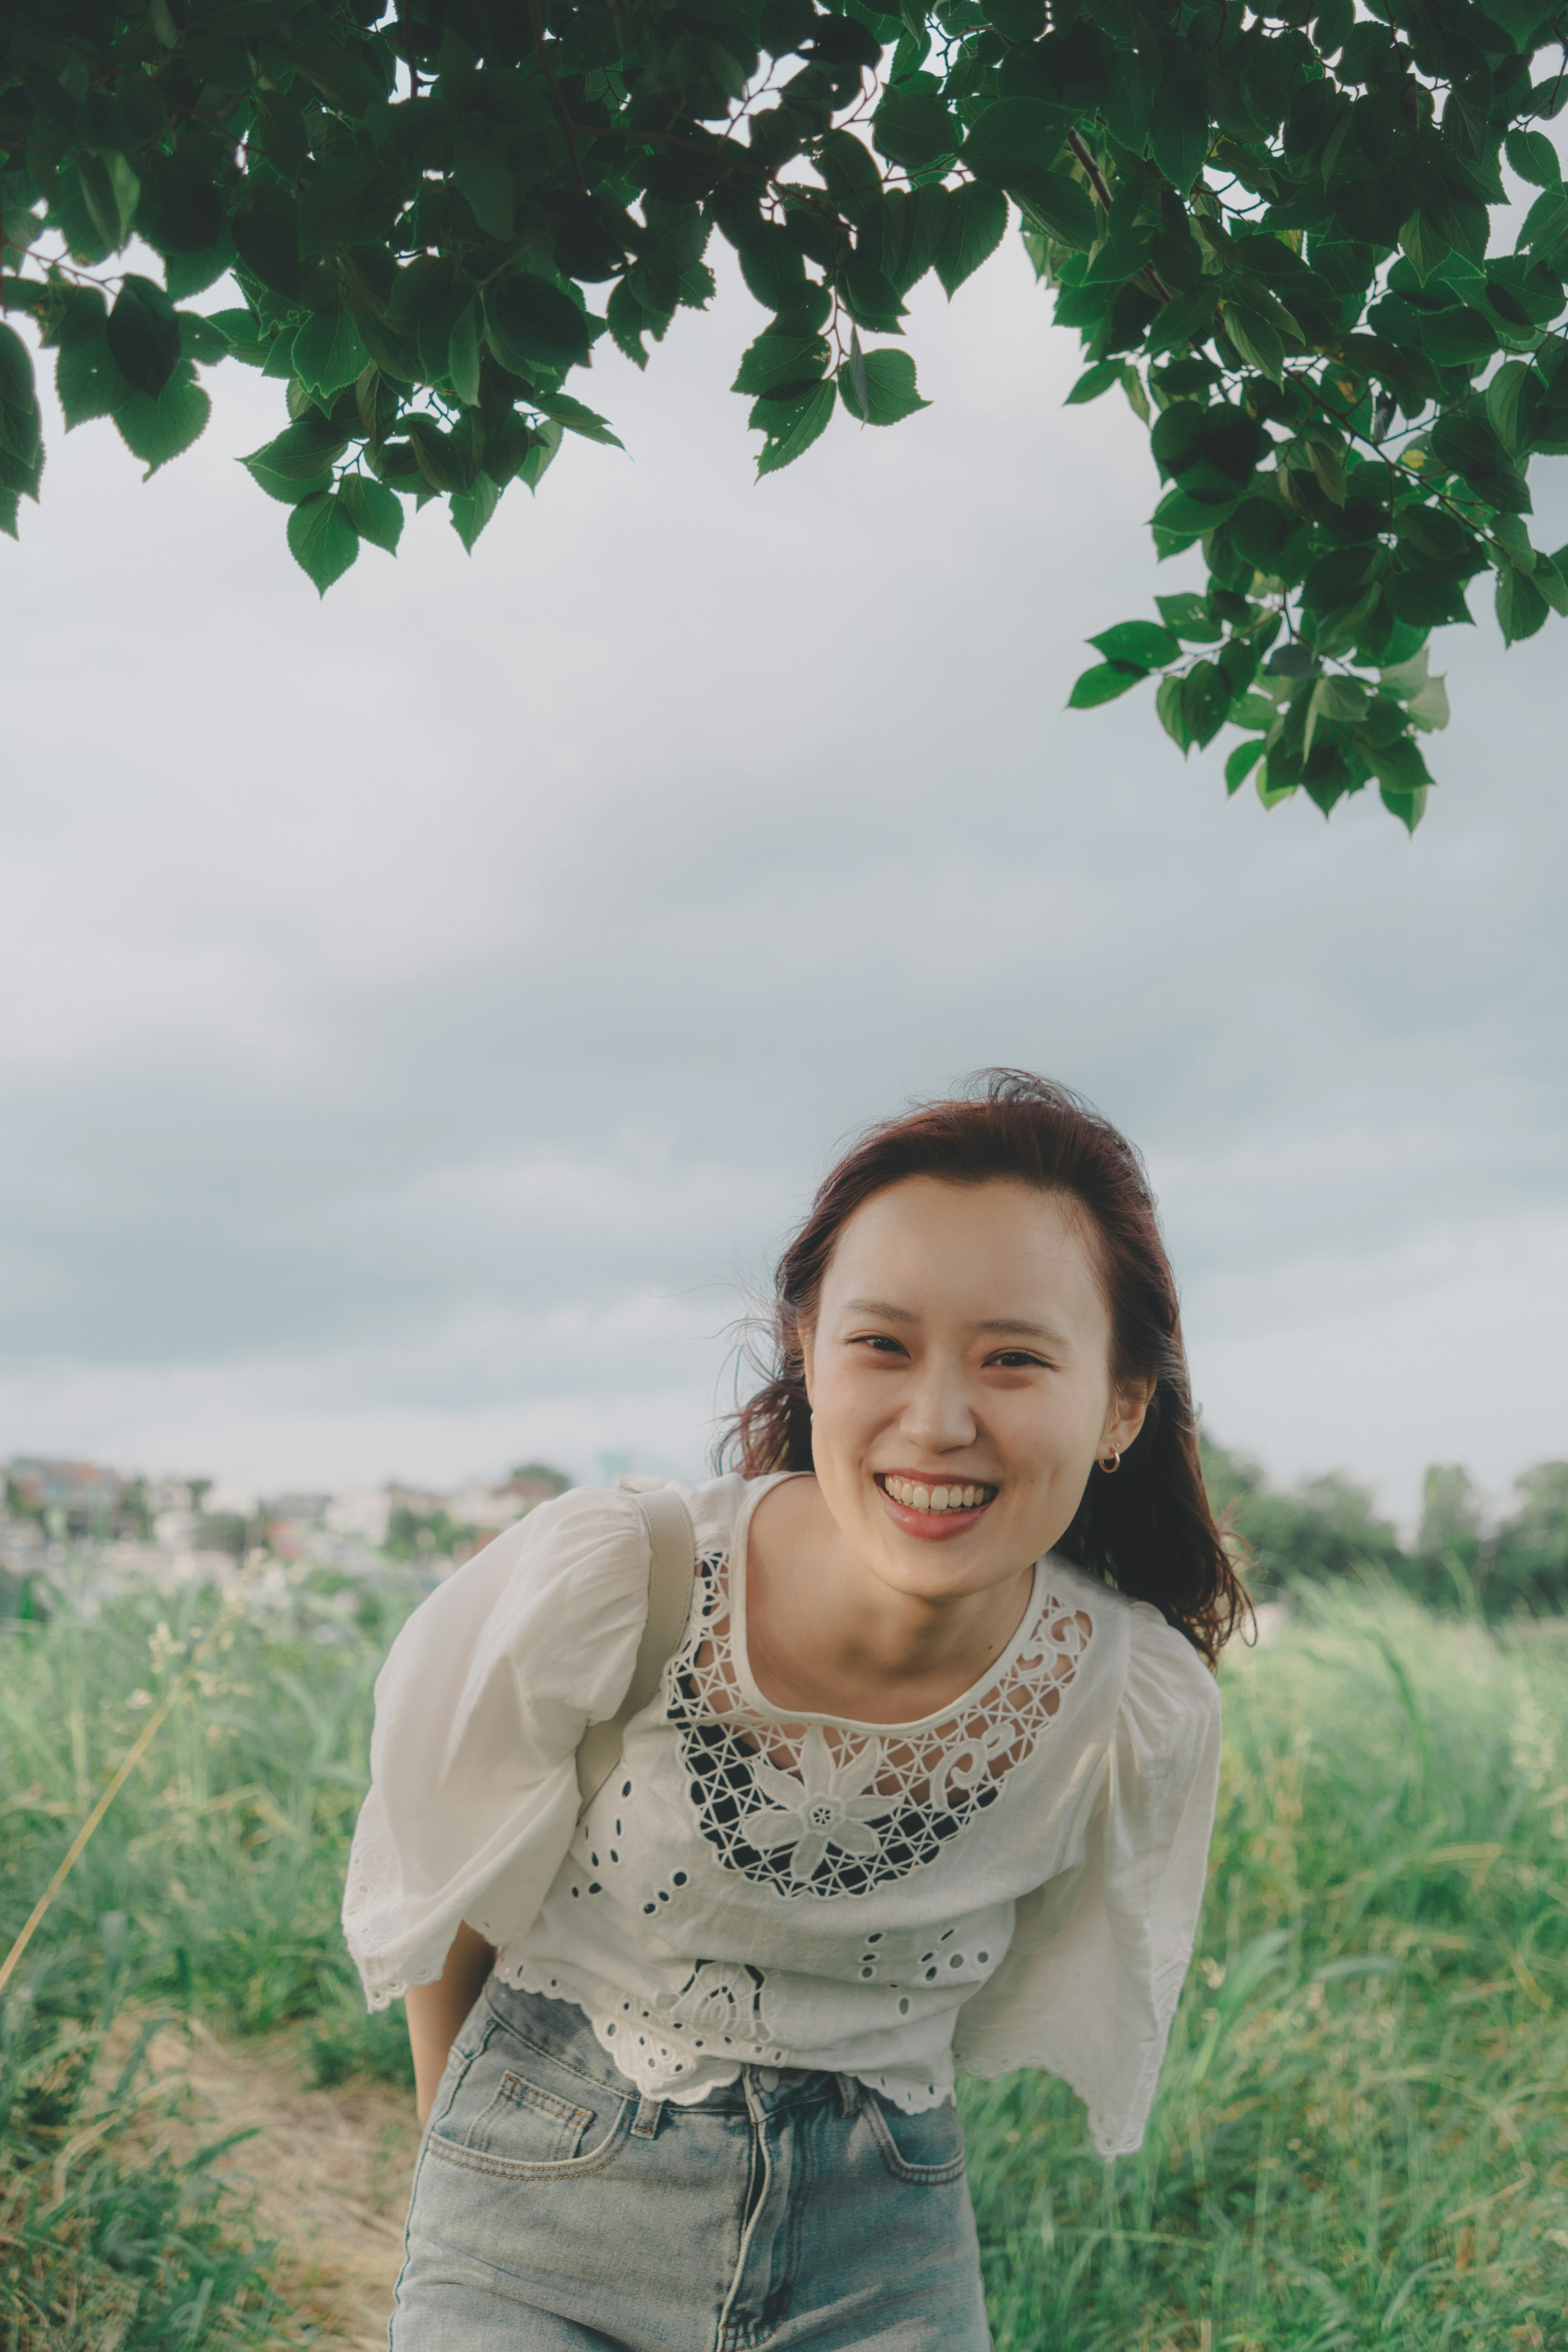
(929, 1506)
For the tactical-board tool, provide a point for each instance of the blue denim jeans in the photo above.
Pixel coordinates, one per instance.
(555, 2209)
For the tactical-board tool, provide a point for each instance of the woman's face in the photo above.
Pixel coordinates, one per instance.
(958, 1371)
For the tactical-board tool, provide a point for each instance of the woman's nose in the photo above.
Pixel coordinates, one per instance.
(940, 1413)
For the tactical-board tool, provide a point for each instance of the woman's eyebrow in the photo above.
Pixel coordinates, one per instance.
(1003, 1325)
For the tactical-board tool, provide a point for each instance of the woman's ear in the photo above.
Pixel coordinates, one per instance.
(1128, 1408)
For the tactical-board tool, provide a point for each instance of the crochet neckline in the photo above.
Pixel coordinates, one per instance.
(763, 1707)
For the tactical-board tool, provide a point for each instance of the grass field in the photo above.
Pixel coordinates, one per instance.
(1361, 2137)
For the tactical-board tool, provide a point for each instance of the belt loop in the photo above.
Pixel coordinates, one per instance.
(849, 2092)
(645, 2122)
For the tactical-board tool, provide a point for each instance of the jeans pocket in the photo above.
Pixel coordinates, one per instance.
(926, 2150)
(520, 2113)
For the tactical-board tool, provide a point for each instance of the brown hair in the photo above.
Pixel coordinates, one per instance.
(1147, 1529)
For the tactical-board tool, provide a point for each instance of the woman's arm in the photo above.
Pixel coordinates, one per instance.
(436, 2011)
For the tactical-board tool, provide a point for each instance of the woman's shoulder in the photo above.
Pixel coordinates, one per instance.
(714, 1506)
(1164, 1678)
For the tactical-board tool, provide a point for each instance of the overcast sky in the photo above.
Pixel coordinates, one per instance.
(426, 1010)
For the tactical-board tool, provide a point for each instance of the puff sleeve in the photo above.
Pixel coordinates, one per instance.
(1099, 1954)
(478, 1711)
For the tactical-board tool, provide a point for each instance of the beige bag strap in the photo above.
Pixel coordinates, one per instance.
(672, 1558)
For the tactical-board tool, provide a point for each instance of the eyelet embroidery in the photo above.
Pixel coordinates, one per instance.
(825, 1810)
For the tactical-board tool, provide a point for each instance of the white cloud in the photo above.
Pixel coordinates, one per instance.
(404, 990)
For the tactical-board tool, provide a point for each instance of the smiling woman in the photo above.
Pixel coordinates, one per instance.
(926, 1782)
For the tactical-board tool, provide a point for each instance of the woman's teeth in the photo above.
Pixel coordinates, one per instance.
(937, 1498)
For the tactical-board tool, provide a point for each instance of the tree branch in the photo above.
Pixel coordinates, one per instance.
(1149, 276)
(541, 50)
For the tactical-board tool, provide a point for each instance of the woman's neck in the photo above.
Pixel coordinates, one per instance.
(825, 1634)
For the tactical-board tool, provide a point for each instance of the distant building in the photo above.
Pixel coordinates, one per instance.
(83, 1494)
(364, 1512)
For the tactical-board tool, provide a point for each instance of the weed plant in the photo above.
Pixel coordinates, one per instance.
(1362, 2135)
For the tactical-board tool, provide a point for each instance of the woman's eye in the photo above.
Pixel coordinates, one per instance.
(1013, 1359)
(881, 1341)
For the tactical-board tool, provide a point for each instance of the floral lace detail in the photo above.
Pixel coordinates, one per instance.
(827, 1810)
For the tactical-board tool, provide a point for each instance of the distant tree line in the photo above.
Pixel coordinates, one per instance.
(1328, 1526)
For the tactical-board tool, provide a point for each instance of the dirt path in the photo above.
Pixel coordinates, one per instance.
(330, 2171)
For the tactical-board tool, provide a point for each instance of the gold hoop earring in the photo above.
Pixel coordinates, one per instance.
(1112, 1466)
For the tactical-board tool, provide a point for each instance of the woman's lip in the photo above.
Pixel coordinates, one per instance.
(932, 1526)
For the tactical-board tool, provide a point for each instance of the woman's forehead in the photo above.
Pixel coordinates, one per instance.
(925, 1245)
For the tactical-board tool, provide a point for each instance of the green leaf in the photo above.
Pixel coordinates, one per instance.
(110, 191)
(1094, 381)
(912, 229)
(463, 356)
(1016, 141)
(1270, 795)
(576, 418)
(1205, 700)
(1189, 616)
(200, 340)
(1242, 762)
(1460, 337)
(1256, 338)
(375, 512)
(1142, 641)
(347, 202)
(185, 274)
(322, 539)
(629, 322)
(483, 175)
(1512, 396)
(328, 352)
(774, 267)
(87, 378)
(1342, 699)
(21, 424)
(775, 360)
(891, 392)
(1062, 207)
(1187, 318)
(1552, 585)
(972, 229)
(1179, 512)
(1531, 154)
(442, 457)
(1179, 130)
(1521, 609)
(914, 127)
(1468, 444)
(158, 429)
(809, 420)
(1168, 709)
(144, 334)
(869, 294)
(532, 323)
(1408, 807)
(1103, 683)
(1398, 766)
(1424, 244)
(548, 439)
(472, 509)
(299, 462)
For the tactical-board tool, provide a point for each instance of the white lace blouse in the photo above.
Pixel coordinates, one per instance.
(1013, 1882)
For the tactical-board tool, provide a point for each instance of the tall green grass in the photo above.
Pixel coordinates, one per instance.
(1361, 2137)
(1362, 2133)
(212, 1888)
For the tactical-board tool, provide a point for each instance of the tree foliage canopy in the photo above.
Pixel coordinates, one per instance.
(1266, 219)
